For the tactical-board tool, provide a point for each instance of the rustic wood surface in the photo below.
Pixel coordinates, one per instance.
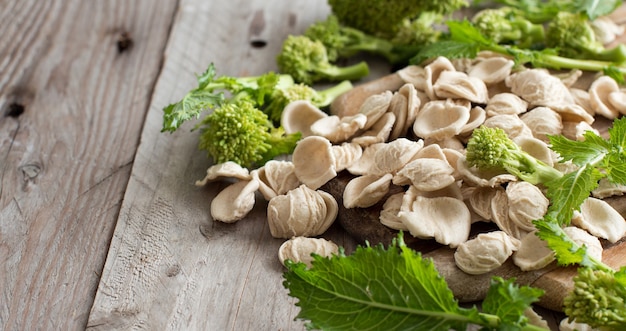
(87, 177)
(170, 266)
(75, 84)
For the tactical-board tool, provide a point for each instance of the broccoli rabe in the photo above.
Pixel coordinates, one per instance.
(507, 25)
(343, 42)
(419, 31)
(598, 299)
(383, 17)
(210, 94)
(491, 149)
(320, 98)
(306, 60)
(243, 124)
(573, 36)
(240, 132)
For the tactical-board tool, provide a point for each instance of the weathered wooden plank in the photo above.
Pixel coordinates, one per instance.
(74, 91)
(170, 266)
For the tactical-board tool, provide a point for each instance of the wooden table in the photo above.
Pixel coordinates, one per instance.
(101, 226)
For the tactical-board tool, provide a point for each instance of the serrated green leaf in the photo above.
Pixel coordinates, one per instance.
(567, 193)
(375, 289)
(508, 301)
(617, 133)
(567, 251)
(590, 150)
(190, 107)
(451, 49)
(465, 31)
(206, 77)
(616, 172)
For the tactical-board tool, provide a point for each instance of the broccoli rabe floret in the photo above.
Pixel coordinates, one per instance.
(507, 25)
(239, 132)
(320, 98)
(573, 36)
(383, 17)
(420, 30)
(306, 60)
(491, 149)
(598, 299)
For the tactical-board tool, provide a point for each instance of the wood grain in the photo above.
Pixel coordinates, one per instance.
(170, 266)
(75, 81)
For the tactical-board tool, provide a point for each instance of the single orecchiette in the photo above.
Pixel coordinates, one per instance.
(346, 155)
(542, 121)
(441, 119)
(365, 191)
(314, 161)
(276, 178)
(377, 133)
(235, 201)
(600, 219)
(511, 124)
(539, 88)
(526, 204)
(298, 116)
(432, 71)
(393, 156)
(227, 169)
(427, 174)
(301, 212)
(458, 85)
(599, 93)
(506, 103)
(445, 219)
(485, 252)
(492, 70)
(389, 214)
(338, 129)
(299, 249)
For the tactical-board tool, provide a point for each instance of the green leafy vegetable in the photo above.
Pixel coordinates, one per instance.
(195, 102)
(210, 94)
(596, 158)
(396, 289)
(508, 301)
(243, 121)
